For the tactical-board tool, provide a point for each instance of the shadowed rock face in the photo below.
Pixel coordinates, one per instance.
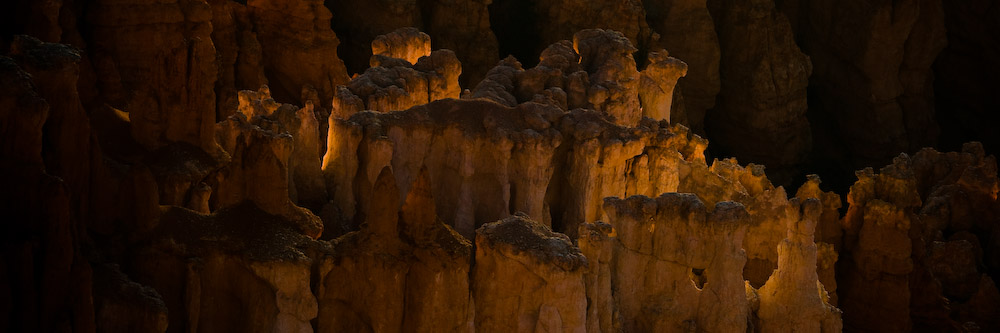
(209, 165)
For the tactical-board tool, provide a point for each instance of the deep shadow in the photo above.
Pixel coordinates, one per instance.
(514, 22)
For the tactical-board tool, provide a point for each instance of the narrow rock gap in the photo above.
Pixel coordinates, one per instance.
(514, 22)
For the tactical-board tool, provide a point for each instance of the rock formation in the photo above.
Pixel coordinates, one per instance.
(460, 26)
(528, 278)
(687, 30)
(209, 165)
(403, 270)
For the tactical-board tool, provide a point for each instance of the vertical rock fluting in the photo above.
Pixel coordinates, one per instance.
(46, 280)
(404, 270)
(297, 52)
(596, 244)
(238, 52)
(761, 110)
(173, 100)
(528, 278)
(260, 170)
(872, 87)
(678, 266)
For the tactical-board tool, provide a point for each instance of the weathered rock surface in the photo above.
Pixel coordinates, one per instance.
(761, 110)
(460, 26)
(677, 265)
(656, 88)
(156, 61)
(404, 74)
(404, 270)
(528, 278)
(130, 208)
(901, 269)
(260, 170)
(239, 268)
(872, 79)
(687, 30)
(297, 52)
(793, 298)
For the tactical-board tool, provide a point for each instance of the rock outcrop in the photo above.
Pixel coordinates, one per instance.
(404, 270)
(460, 26)
(404, 74)
(678, 266)
(528, 278)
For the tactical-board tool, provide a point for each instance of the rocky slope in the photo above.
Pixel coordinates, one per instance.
(192, 165)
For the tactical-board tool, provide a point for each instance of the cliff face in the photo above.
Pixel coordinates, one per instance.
(197, 165)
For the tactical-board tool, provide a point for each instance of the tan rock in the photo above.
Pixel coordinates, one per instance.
(404, 43)
(614, 81)
(528, 278)
(597, 245)
(793, 298)
(656, 88)
(678, 266)
(218, 272)
(402, 270)
(259, 171)
(686, 29)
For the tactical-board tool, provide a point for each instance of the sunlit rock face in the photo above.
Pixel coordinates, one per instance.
(528, 278)
(197, 165)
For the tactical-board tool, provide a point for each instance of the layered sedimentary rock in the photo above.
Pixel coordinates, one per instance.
(404, 270)
(528, 278)
(656, 88)
(528, 27)
(46, 278)
(760, 115)
(260, 169)
(125, 217)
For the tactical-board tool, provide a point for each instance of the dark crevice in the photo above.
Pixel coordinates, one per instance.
(514, 22)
